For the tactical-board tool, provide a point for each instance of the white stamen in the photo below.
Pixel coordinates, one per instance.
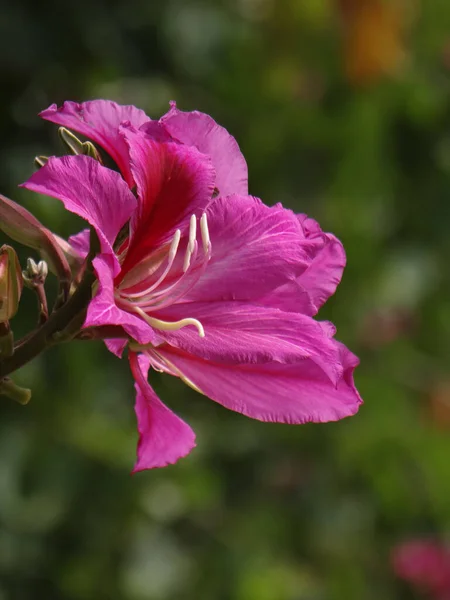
(192, 230)
(191, 243)
(177, 371)
(205, 234)
(171, 256)
(157, 295)
(170, 326)
(177, 290)
(174, 245)
(162, 364)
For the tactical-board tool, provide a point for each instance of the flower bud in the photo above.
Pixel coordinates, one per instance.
(11, 283)
(32, 268)
(42, 270)
(35, 273)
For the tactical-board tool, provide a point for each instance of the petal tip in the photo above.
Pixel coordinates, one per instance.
(47, 111)
(171, 459)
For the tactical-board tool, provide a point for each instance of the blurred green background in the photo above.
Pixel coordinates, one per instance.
(341, 109)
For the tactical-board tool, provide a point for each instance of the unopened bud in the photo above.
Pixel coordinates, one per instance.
(35, 273)
(42, 269)
(40, 161)
(32, 269)
(11, 283)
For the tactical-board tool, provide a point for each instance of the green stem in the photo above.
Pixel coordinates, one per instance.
(103, 332)
(6, 340)
(42, 303)
(47, 334)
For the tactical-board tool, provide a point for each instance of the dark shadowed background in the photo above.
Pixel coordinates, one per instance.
(342, 110)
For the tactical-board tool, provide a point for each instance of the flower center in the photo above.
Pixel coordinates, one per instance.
(165, 276)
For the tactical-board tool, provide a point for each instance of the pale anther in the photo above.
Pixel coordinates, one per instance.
(174, 245)
(191, 243)
(205, 234)
(192, 230)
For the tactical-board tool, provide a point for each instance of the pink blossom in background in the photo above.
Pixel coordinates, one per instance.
(425, 565)
(210, 285)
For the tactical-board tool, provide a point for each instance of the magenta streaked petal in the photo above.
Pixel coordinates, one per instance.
(255, 249)
(116, 346)
(291, 297)
(104, 311)
(312, 288)
(99, 120)
(318, 282)
(156, 130)
(324, 273)
(286, 393)
(328, 328)
(95, 193)
(173, 182)
(242, 333)
(80, 242)
(200, 130)
(163, 437)
(310, 226)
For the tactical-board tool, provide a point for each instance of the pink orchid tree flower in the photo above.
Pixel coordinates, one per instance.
(208, 283)
(425, 564)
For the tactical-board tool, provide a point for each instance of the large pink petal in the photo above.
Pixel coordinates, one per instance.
(290, 297)
(243, 333)
(325, 271)
(308, 292)
(200, 130)
(163, 437)
(95, 193)
(287, 393)
(255, 249)
(173, 182)
(99, 120)
(103, 310)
